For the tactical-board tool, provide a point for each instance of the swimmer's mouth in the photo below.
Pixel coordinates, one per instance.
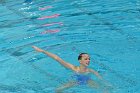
(87, 63)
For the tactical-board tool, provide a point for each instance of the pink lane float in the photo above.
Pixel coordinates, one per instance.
(50, 24)
(45, 17)
(45, 8)
(51, 31)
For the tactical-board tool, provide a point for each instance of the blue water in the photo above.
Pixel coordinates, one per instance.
(108, 30)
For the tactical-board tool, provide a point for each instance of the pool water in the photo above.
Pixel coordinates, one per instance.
(108, 30)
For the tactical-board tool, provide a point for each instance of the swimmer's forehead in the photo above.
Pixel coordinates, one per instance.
(85, 56)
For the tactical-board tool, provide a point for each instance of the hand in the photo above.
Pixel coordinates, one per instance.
(37, 49)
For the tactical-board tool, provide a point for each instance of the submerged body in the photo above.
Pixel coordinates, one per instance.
(82, 79)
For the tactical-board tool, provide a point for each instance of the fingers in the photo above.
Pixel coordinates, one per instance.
(34, 47)
(37, 49)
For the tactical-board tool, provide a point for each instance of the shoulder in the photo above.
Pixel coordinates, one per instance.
(76, 68)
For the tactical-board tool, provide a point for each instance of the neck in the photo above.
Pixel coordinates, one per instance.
(82, 68)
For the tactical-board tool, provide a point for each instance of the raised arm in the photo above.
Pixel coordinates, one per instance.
(55, 57)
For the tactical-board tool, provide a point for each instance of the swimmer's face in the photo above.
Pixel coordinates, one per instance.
(85, 60)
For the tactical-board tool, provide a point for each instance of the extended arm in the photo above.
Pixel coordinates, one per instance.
(100, 77)
(55, 57)
(96, 73)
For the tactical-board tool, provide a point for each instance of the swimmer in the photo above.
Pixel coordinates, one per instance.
(81, 71)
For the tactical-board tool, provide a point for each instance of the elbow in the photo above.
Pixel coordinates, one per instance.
(56, 57)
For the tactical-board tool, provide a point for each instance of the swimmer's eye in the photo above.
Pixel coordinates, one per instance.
(87, 59)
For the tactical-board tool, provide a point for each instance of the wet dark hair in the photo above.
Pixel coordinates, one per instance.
(80, 55)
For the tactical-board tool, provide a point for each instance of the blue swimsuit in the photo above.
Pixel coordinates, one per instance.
(82, 79)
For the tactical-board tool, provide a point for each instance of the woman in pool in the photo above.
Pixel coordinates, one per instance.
(81, 71)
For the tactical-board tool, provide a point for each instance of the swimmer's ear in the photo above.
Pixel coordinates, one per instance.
(79, 61)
